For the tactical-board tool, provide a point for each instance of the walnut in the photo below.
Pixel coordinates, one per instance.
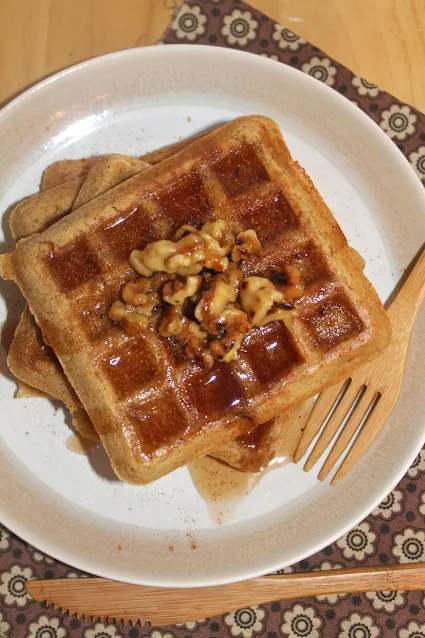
(153, 257)
(280, 313)
(172, 323)
(136, 292)
(183, 231)
(146, 308)
(220, 230)
(226, 303)
(247, 244)
(288, 281)
(176, 292)
(233, 276)
(196, 347)
(234, 325)
(217, 294)
(128, 316)
(133, 295)
(186, 332)
(258, 298)
(192, 251)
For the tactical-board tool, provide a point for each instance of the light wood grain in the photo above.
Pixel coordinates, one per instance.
(381, 40)
(380, 379)
(103, 598)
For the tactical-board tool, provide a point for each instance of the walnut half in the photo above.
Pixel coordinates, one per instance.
(288, 281)
(233, 326)
(193, 251)
(132, 321)
(247, 245)
(258, 297)
(186, 332)
(176, 292)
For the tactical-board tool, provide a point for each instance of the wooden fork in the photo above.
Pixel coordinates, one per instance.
(364, 401)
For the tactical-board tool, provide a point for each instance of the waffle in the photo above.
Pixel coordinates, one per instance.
(154, 410)
(68, 170)
(36, 365)
(29, 359)
(254, 451)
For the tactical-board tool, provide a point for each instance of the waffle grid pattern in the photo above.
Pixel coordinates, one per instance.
(92, 270)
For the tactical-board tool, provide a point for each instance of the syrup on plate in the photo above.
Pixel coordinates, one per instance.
(223, 488)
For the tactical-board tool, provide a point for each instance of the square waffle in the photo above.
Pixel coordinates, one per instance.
(67, 170)
(154, 410)
(29, 359)
(36, 365)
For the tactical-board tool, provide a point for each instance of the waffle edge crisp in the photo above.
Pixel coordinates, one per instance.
(339, 322)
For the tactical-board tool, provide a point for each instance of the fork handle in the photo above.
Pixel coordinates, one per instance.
(409, 299)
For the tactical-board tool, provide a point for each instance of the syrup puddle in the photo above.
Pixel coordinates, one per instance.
(297, 420)
(223, 488)
(77, 444)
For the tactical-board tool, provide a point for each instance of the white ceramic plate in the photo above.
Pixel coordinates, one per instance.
(72, 507)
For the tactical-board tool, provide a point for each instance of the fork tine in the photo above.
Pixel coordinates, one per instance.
(370, 429)
(333, 424)
(347, 433)
(321, 409)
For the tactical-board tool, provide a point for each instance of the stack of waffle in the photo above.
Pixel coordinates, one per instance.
(152, 408)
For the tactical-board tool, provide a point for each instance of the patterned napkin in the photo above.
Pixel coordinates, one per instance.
(393, 533)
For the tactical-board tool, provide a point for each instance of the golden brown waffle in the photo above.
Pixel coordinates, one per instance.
(68, 170)
(153, 410)
(36, 213)
(271, 444)
(253, 451)
(29, 359)
(36, 365)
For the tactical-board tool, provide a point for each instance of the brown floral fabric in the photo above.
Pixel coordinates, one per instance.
(393, 533)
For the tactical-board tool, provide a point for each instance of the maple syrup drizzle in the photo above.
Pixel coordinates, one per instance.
(297, 421)
(223, 488)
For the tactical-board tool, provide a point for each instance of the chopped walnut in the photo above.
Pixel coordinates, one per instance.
(233, 325)
(193, 251)
(258, 298)
(176, 292)
(136, 292)
(247, 244)
(153, 300)
(172, 323)
(184, 231)
(233, 275)
(288, 281)
(186, 332)
(220, 230)
(145, 302)
(217, 294)
(177, 279)
(128, 316)
(153, 257)
(196, 346)
(280, 313)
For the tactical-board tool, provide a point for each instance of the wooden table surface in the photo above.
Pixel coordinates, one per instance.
(382, 40)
